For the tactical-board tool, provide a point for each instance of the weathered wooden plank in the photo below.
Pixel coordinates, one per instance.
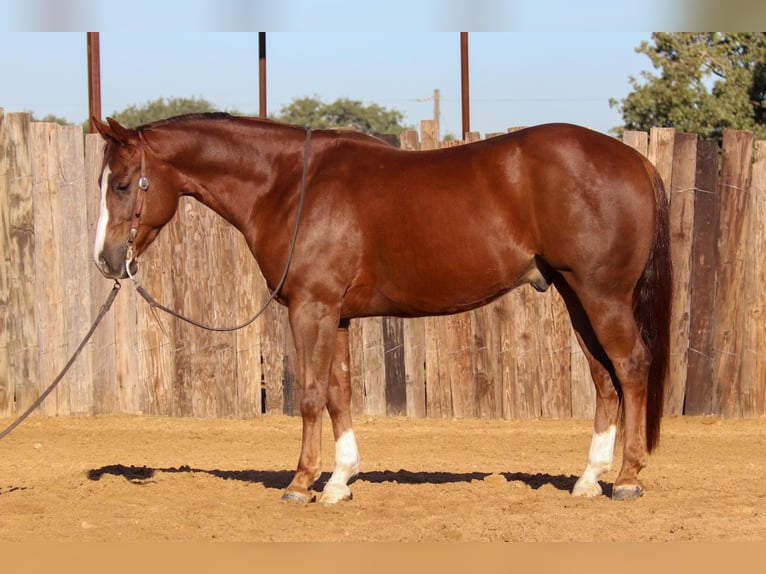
(182, 387)
(699, 382)
(273, 352)
(202, 249)
(24, 370)
(525, 353)
(429, 135)
(583, 389)
(251, 295)
(415, 366)
(504, 315)
(291, 375)
(753, 372)
(487, 372)
(7, 399)
(222, 298)
(681, 195)
(395, 375)
(456, 342)
(438, 391)
(637, 140)
(374, 366)
(50, 299)
(471, 137)
(356, 367)
(728, 326)
(554, 364)
(410, 140)
(102, 345)
(156, 332)
(76, 262)
(660, 153)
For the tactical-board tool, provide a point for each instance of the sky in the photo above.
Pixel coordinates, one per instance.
(529, 62)
(515, 78)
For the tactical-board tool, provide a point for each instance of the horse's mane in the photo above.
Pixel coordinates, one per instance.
(202, 116)
(224, 116)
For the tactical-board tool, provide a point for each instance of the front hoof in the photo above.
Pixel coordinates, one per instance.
(292, 496)
(587, 489)
(334, 493)
(628, 492)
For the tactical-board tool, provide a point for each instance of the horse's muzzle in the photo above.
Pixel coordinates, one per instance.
(114, 267)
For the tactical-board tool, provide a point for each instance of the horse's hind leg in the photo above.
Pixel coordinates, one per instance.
(601, 453)
(611, 317)
(339, 408)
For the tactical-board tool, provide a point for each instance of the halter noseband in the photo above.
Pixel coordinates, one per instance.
(135, 221)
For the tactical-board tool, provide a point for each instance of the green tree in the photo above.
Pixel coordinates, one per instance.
(707, 82)
(52, 118)
(342, 113)
(160, 109)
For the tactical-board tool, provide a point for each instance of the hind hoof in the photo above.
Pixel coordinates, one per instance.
(629, 492)
(290, 496)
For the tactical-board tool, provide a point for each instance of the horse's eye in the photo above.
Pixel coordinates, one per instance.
(120, 187)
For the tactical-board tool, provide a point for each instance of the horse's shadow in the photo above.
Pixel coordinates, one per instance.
(280, 479)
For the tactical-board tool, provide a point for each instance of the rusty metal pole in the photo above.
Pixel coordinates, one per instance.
(262, 71)
(464, 83)
(94, 78)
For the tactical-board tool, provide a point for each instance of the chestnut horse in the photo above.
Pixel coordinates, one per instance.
(415, 233)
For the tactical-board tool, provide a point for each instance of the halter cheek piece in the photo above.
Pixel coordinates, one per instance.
(135, 221)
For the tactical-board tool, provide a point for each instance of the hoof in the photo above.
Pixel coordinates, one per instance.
(290, 496)
(334, 493)
(629, 492)
(586, 489)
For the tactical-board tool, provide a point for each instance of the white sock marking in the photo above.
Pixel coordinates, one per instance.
(600, 459)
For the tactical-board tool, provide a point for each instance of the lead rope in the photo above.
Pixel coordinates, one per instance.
(154, 304)
(104, 308)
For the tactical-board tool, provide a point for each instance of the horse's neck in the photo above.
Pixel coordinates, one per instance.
(233, 179)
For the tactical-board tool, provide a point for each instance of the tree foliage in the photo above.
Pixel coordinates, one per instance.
(342, 113)
(160, 109)
(707, 82)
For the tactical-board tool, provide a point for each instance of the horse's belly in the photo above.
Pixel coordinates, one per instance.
(421, 288)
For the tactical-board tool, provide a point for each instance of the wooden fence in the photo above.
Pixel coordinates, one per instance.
(515, 358)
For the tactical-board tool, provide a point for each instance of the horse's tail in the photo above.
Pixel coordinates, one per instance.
(651, 308)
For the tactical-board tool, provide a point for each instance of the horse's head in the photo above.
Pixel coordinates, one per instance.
(138, 197)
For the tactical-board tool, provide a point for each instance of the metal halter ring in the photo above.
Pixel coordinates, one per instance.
(143, 183)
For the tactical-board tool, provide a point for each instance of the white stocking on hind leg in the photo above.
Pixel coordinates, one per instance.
(339, 408)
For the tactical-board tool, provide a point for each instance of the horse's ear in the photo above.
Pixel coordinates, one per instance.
(113, 130)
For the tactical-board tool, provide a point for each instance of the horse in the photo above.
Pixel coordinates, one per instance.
(356, 227)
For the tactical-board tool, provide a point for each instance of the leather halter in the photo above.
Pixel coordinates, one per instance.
(135, 221)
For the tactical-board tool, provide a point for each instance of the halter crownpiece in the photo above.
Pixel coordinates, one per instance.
(143, 187)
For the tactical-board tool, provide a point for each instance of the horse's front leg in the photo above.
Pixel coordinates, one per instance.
(314, 326)
(339, 407)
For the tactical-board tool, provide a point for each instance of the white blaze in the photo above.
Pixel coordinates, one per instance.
(103, 218)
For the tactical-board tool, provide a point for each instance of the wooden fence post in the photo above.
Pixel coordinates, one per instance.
(102, 346)
(728, 326)
(753, 372)
(681, 197)
(76, 261)
(6, 391)
(699, 378)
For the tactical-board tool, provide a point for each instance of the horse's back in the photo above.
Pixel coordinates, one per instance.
(448, 230)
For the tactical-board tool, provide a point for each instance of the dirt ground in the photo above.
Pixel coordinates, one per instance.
(126, 479)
